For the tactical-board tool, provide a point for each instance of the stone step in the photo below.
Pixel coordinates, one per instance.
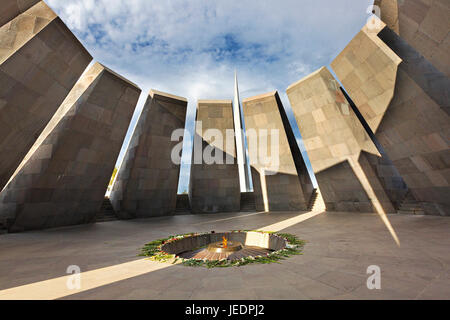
(106, 219)
(411, 208)
(106, 212)
(247, 202)
(411, 212)
(410, 203)
(3, 228)
(313, 200)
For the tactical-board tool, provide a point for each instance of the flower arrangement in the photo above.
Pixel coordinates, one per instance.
(153, 251)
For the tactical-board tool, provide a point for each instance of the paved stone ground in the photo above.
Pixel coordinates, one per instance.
(340, 248)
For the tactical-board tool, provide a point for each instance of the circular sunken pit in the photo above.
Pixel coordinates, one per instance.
(211, 246)
(234, 248)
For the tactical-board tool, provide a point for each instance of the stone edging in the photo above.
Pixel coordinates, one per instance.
(167, 250)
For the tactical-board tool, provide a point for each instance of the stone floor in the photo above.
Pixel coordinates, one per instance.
(340, 248)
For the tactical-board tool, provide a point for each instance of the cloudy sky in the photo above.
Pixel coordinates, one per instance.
(191, 48)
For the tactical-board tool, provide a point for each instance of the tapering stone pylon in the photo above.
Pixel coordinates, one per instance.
(351, 172)
(12, 8)
(64, 177)
(405, 100)
(40, 62)
(147, 181)
(280, 178)
(214, 187)
(424, 25)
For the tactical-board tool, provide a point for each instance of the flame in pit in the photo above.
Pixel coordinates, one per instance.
(224, 242)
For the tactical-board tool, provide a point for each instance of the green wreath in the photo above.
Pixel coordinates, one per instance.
(152, 250)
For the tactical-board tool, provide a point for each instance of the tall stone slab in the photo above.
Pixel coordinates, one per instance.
(12, 8)
(64, 177)
(340, 150)
(214, 185)
(424, 25)
(147, 182)
(280, 179)
(40, 62)
(405, 101)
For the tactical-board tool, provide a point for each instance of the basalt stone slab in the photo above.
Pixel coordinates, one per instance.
(405, 101)
(64, 177)
(283, 183)
(255, 239)
(343, 156)
(147, 182)
(12, 8)
(214, 187)
(40, 62)
(424, 25)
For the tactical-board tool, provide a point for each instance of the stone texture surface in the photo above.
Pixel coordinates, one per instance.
(405, 101)
(388, 13)
(289, 186)
(254, 239)
(214, 187)
(12, 8)
(40, 62)
(339, 148)
(64, 177)
(424, 24)
(339, 248)
(147, 181)
(367, 68)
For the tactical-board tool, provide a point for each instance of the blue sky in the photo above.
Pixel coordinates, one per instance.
(191, 48)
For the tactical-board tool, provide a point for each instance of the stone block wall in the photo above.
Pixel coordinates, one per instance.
(214, 187)
(12, 8)
(147, 181)
(405, 101)
(423, 24)
(285, 186)
(64, 177)
(338, 146)
(40, 62)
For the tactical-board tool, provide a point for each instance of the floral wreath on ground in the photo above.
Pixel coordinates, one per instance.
(152, 250)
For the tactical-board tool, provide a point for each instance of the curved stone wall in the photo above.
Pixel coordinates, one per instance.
(263, 240)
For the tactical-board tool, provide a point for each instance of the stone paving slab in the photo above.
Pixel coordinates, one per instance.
(340, 247)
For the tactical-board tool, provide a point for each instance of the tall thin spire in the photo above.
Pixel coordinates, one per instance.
(240, 139)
